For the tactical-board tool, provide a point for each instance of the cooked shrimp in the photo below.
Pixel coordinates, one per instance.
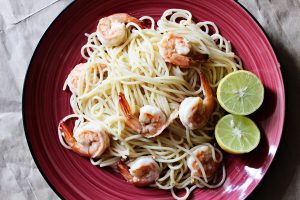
(210, 166)
(177, 50)
(143, 171)
(89, 140)
(111, 30)
(151, 121)
(193, 111)
(74, 76)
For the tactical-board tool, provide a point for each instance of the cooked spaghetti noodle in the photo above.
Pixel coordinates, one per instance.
(136, 69)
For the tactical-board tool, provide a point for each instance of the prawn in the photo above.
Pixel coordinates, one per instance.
(142, 172)
(177, 50)
(151, 121)
(74, 76)
(111, 30)
(193, 111)
(210, 166)
(89, 140)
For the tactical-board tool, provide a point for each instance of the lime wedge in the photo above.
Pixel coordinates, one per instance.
(240, 93)
(237, 134)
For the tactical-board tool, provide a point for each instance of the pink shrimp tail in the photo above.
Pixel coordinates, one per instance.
(124, 105)
(124, 171)
(209, 100)
(137, 21)
(71, 141)
(67, 133)
(128, 18)
(131, 121)
(206, 87)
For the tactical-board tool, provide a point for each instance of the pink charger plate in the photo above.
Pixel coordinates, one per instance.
(44, 102)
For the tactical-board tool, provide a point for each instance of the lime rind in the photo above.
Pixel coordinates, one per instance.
(240, 93)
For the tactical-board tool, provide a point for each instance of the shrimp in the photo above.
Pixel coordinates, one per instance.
(177, 50)
(193, 111)
(210, 165)
(74, 76)
(111, 30)
(89, 140)
(151, 121)
(143, 171)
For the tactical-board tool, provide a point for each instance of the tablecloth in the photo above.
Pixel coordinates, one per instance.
(22, 24)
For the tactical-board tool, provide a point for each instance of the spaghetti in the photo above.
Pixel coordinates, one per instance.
(137, 70)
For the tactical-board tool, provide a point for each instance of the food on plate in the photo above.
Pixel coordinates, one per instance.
(111, 30)
(176, 49)
(144, 102)
(151, 121)
(142, 172)
(240, 93)
(210, 161)
(89, 140)
(195, 112)
(237, 134)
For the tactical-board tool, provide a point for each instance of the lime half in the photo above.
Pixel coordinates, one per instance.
(237, 134)
(240, 93)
